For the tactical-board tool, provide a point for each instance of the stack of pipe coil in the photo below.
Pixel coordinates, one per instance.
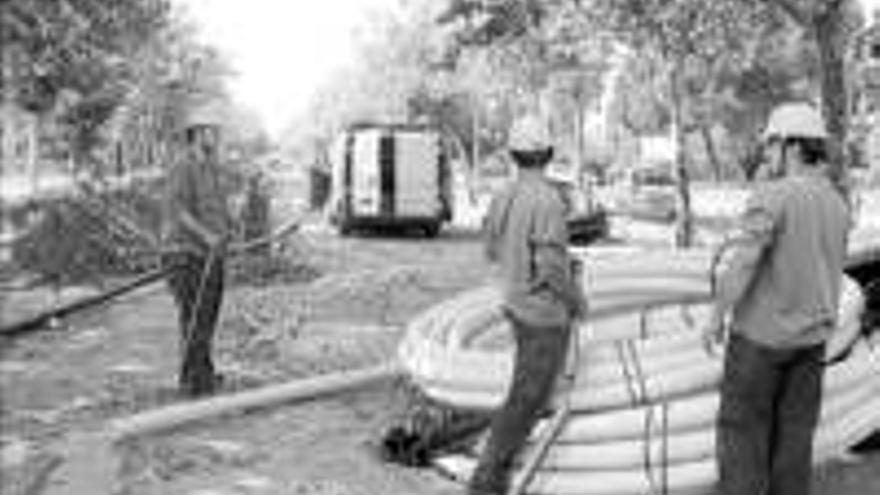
(646, 393)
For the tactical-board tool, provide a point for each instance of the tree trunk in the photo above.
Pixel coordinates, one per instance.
(684, 218)
(7, 146)
(579, 138)
(475, 136)
(830, 37)
(709, 142)
(461, 151)
(475, 153)
(7, 143)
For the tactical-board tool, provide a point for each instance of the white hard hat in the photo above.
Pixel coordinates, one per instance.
(530, 133)
(206, 115)
(795, 120)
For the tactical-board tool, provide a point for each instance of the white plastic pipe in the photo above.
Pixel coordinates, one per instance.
(297, 390)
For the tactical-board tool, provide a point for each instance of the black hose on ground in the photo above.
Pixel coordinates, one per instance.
(40, 320)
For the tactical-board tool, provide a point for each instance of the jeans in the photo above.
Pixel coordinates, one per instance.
(197, 316)
(770, 400)
(540, 356)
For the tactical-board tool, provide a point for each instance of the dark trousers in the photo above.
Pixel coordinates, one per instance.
(770, 400)
(198, 294)
(540, 355)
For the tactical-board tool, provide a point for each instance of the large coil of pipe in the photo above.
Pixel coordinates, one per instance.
(644, 403)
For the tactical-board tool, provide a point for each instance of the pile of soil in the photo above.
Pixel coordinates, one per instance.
(82, 238)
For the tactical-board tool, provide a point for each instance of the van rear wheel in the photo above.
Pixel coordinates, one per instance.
(431, 229)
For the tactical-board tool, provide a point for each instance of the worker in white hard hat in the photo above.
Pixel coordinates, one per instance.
(797, 119)
(527, 238)
(776, 304)
(196, 228)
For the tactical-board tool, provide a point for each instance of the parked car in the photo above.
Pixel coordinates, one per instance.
(587, 218)
(646, 193)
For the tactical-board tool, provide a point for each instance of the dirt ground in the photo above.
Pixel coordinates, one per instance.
(58, 386)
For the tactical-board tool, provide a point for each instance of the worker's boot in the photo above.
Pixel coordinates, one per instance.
(201, 385)
(197, 375)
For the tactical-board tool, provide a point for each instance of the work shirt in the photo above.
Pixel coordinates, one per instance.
(793, 236)
(527, 237)
(194, 187)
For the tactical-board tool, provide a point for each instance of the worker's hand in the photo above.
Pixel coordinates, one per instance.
(219, 243)
(580, 303)
(715, 333)
(579, 312)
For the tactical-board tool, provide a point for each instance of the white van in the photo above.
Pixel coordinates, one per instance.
(390, 175)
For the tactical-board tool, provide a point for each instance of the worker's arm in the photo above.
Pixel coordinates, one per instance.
(495, 222)
(552, 262)
(492, 230)
(743, 255)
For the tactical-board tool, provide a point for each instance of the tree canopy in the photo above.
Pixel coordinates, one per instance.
(107, 75)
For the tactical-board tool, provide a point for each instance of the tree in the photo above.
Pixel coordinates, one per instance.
(532, 53)
(685, 36)
(401, 73)
(638, 105)
(831, 24)
(395, 56)
(74, 60)
(173, 73)
(112, 78)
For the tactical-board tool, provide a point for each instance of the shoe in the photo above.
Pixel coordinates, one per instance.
(198, 388)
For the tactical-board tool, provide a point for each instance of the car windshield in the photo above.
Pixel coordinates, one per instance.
(650, 177)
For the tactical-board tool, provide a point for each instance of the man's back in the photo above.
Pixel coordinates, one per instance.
(527, 212)
(794, 298)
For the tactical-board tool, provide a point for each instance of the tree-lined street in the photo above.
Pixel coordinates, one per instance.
(655, 109)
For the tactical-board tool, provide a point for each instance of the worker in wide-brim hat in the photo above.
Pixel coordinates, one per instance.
(776, 305)
(196, 230)
(526, 237)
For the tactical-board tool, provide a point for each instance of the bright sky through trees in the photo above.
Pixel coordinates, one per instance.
(284, 49)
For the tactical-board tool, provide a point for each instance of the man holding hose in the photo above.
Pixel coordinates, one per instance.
(527, 238)
(781, 288)
(195, 233)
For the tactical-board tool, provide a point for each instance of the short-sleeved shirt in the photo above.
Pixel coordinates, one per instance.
(196, 188)
(800, 224)
(524, 216)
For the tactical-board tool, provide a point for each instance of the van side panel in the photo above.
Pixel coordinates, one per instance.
(365, 192)
(417, 173)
